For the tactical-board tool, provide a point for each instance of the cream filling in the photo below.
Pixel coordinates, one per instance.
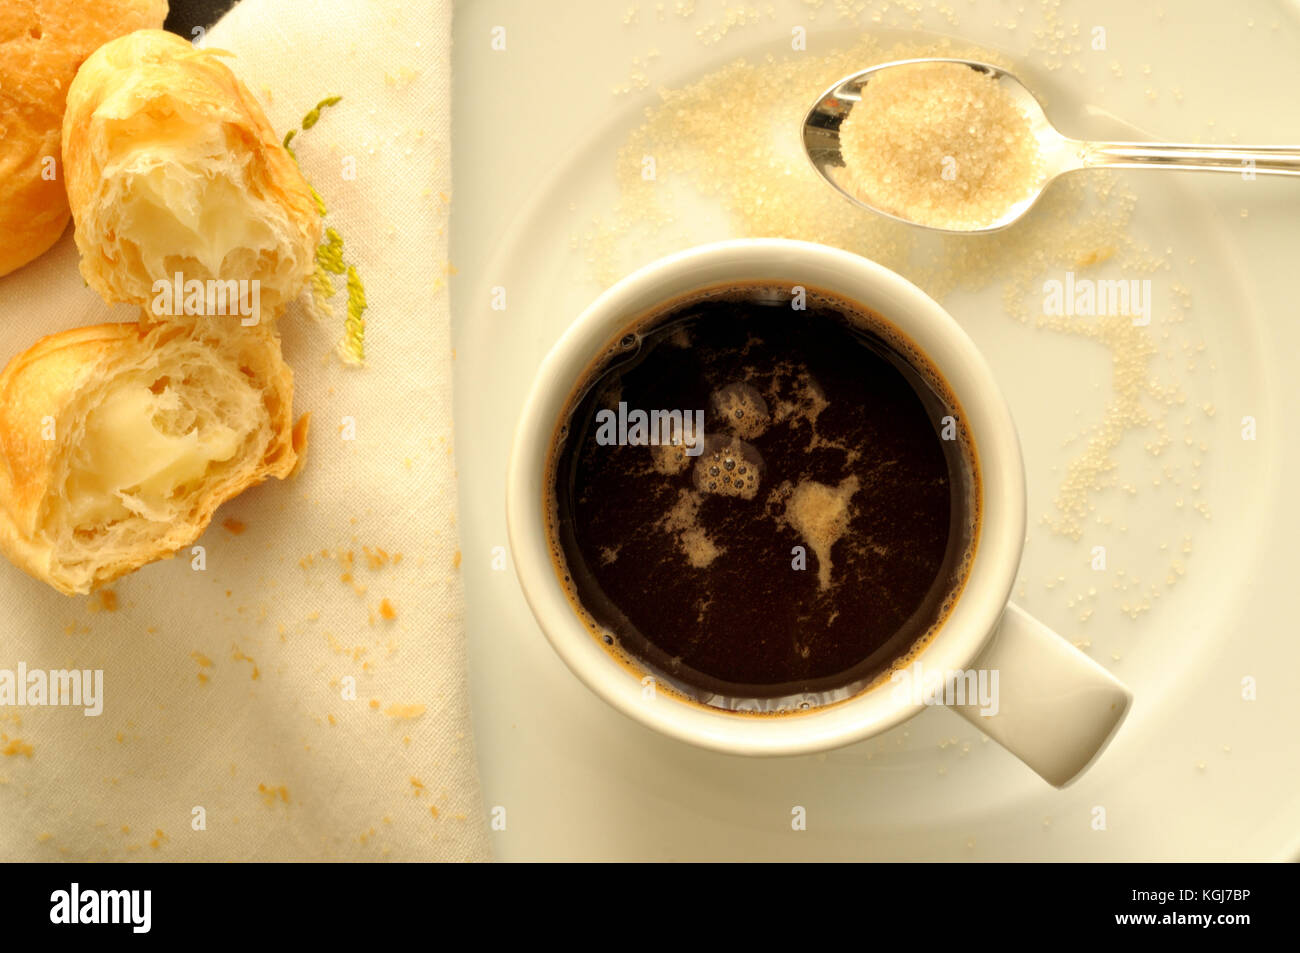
(175, 213)
(130, 460)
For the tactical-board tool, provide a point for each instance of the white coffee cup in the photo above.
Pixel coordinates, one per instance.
(1056, 709)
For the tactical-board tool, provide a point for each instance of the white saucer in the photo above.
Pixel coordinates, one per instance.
(1197, 772)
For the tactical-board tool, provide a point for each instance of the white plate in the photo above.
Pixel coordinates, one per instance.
(1197, 771)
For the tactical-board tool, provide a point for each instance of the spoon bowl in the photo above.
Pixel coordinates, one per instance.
(1058, 153)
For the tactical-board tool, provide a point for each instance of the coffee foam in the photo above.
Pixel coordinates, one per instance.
(683, 522)
(728, 467)
(809, 400)
(820, 514)
(742, 409)
(806, 409)
(670, 458)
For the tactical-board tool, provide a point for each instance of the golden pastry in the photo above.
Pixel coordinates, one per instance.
(173, 169)
(42, 42)
(117, 443)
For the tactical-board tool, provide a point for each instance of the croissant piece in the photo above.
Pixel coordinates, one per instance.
(119, 441)
(173, 170)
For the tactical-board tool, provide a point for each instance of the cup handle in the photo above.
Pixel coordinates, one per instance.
(1057, 709)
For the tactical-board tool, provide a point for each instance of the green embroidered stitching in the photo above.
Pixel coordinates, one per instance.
(329, 261)
(353, 346)
(313, 115)
(329, 253)
(309, 120)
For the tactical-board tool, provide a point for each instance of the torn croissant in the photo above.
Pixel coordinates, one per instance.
(119, 442)
(172, 168)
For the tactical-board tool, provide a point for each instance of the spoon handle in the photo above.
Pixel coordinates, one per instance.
(1244, 160)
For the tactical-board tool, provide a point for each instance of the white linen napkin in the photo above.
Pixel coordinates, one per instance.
(228, 730)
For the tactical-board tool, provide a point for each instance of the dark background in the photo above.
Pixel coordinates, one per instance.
(184, 15)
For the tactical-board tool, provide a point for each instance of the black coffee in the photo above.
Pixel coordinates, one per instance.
(762, 506)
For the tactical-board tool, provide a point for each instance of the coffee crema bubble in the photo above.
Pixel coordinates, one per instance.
(742, 409)
(819, 537)
(728, 467)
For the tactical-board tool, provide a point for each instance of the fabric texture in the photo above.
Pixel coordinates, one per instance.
(297, 689)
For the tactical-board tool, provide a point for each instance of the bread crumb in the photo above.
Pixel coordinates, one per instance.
(17, 747)
(401, 78)
(301, 430)
(403, 712)
(233, 526)
(104, 600)
(387, 611)
(237, 655)
(270, 794)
